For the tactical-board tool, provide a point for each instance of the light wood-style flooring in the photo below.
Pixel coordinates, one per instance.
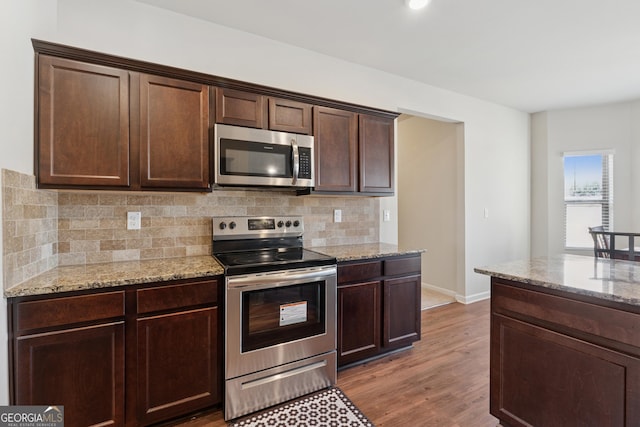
(442, 382)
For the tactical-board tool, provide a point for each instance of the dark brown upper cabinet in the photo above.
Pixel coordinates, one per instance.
(100, 127)
(289, 116)
(174, 133)
(83, 124)
(234, 107)
(108, 122)
(336, 149)
(376, 144)
(353, 153)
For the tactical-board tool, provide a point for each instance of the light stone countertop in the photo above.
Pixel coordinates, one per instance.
(613, 280)
(95, 276)
(364, 251)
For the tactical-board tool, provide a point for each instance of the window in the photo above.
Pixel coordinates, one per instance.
(588, 196)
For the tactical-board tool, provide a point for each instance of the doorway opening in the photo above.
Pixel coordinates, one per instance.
(430, 190)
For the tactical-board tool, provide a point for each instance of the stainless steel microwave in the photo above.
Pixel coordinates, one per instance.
(249, 157)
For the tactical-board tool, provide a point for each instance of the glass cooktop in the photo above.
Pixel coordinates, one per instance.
(253, 261)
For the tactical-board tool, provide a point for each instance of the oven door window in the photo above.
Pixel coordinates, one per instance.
(278, 315)
(247, 158)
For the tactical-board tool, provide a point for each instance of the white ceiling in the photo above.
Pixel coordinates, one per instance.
(531, 55)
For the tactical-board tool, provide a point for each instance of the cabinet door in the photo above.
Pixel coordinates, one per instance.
(336, 149)
(174, 133)
(544, 378)
(234, 107)
(401, 312)
(177, 364)
(82, 369)
(376, 154)
(358, 321)
(83, 124)
(289, 116)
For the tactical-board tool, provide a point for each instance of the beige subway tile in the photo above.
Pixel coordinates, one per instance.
(163, 199)
(162, 222)
(71, 211)
(100, 234)
(83, 224)
(139, 243)
(86, 199)
(163, 242)
(138, 199)
(112, 199)
(10, 178)
(72, 258)
(198, 250)
(114, 223)
(174, 252)
(99, 212)
(64, 247)
(126, 255)
(99, 257)
(85, 245)
(69, 235)
(154, 253)
(113, 245)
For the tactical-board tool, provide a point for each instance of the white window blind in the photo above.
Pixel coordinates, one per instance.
(588, 196)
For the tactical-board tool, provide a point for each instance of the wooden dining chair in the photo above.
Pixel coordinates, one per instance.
(600, 242)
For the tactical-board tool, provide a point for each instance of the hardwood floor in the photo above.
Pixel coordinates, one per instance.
(442, 382)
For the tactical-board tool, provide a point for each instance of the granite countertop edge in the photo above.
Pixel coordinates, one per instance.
(107, 275)
(124, 273)
(622, 296)
(356, 252)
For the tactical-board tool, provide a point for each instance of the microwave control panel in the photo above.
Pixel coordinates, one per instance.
(304, 155)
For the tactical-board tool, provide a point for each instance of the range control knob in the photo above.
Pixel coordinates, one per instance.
(232, 225)
(296, 223)
(280, 224)
(223, 225)
(288, 224)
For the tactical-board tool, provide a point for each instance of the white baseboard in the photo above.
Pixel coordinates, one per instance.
(473, 298)
(441, 290)
(459, 298)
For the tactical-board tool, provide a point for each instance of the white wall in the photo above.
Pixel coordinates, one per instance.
(496, 138)
(613, 127)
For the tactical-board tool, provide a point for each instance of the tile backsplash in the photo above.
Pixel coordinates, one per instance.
(29, 228)
(86, 227)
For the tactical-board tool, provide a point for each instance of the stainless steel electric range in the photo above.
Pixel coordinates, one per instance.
(280, 312)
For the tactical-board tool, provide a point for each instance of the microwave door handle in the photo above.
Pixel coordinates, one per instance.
(296, 161)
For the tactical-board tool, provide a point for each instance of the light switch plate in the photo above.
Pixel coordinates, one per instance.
(386, 215)
(337, 215)
(134, 220)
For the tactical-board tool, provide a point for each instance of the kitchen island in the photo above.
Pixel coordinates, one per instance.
(565, 342)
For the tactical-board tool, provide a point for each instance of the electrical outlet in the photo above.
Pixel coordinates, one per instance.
(386, 215)
(134, 220)
(486, 212)
(337, 215)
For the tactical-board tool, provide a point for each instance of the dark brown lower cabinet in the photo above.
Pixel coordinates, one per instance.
(378, 307)
(560, 362)
(80, 368)
(130, 356)
(358, 321)
(177, 364)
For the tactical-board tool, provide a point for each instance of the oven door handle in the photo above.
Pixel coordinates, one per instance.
(281, 278)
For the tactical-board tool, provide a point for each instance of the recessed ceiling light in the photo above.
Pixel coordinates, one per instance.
(416, 4)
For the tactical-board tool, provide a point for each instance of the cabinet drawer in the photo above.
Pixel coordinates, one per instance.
(401, 266)
(177, 296)
(359, 271)
(54, 312)
(566, 314)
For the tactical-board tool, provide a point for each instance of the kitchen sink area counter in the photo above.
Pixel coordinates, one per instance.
(344, 253)
(565, 341)
(105, 275)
